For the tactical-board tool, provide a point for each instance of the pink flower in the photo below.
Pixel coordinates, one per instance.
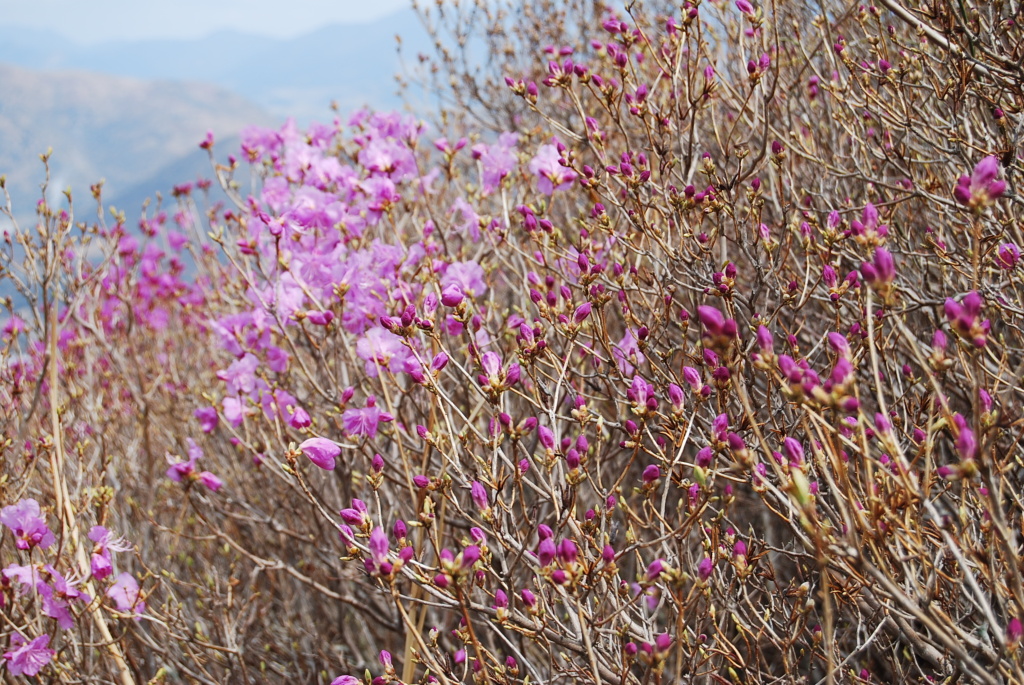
(468, 276)
(627, 352)
(321, 452)
(496, 161)
(346, 680)
(381, 348)
(366, 420)
(125, 595)
(1007, 256)
(28, 658)
(465, 220)
(13, 326)
(207, 417)
(185, 471)
(356, 515)
(25, 521)
(102, 565)
(479, 494)
(965, 318)
(241, 375)
(553, 176)
(981, 188)
(705, 568)
(378, 546)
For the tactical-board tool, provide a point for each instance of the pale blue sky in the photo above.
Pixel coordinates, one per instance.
(93, 21)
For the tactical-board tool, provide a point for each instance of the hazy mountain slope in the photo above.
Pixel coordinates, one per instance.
(352, 64)
(122, 129)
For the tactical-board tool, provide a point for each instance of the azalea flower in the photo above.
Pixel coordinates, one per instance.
(102, 563)
(321, 452)
(496, 161)
(981, 188)
(185, 471)
(25, 521)
(552, 175)
(365, 421)
(28, 658)
(125, 595)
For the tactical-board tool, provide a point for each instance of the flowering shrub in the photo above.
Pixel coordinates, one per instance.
(693, 358)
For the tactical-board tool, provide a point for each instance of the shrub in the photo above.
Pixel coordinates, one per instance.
(689, 355)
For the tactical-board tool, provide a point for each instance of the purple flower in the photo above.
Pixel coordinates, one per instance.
(346, 680)
(468, 276)
(582, 312)
(715, 324)
(356, 515)
(881, 272)
(25, 521)
(479, 493)
(378, 546)
(299, 418)
(470, 556)
(496, 161)
(651, 474)
(101, 563)
(745, 7)
(241, 375)
(965, 318)
(705, 568)
(966, 443)
(207, 417)
(366, 420)
(546, 551)
(28, 658)
(794, 450)
(981, 188)
(567, 551)
(553, 176)
(1014, 630)
(627, 352)
(125, 595)
(1007, 256)
(321, 452)
(452, 295)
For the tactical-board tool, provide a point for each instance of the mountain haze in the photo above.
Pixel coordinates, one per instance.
(123, 130)
(297, 77)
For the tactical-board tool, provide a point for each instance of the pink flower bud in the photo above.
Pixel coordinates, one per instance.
(321, 452)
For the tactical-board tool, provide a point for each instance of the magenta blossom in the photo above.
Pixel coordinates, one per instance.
(346, 680)
(981, 188)
(185, 471)
(28, 658)
(365, 421)
(496, 161)
(101, 563)
(125, 595)
(321, 452)
(1007, 256)
(26, 522)
(965, 318)
(553, 176)
(378, 545)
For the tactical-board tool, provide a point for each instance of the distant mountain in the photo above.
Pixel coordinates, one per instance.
(123, 130)
(299, 77)
(133, 112)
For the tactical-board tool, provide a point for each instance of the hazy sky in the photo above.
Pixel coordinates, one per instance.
(92, 21)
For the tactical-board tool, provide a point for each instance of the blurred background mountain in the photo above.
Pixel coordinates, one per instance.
(132, 112)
